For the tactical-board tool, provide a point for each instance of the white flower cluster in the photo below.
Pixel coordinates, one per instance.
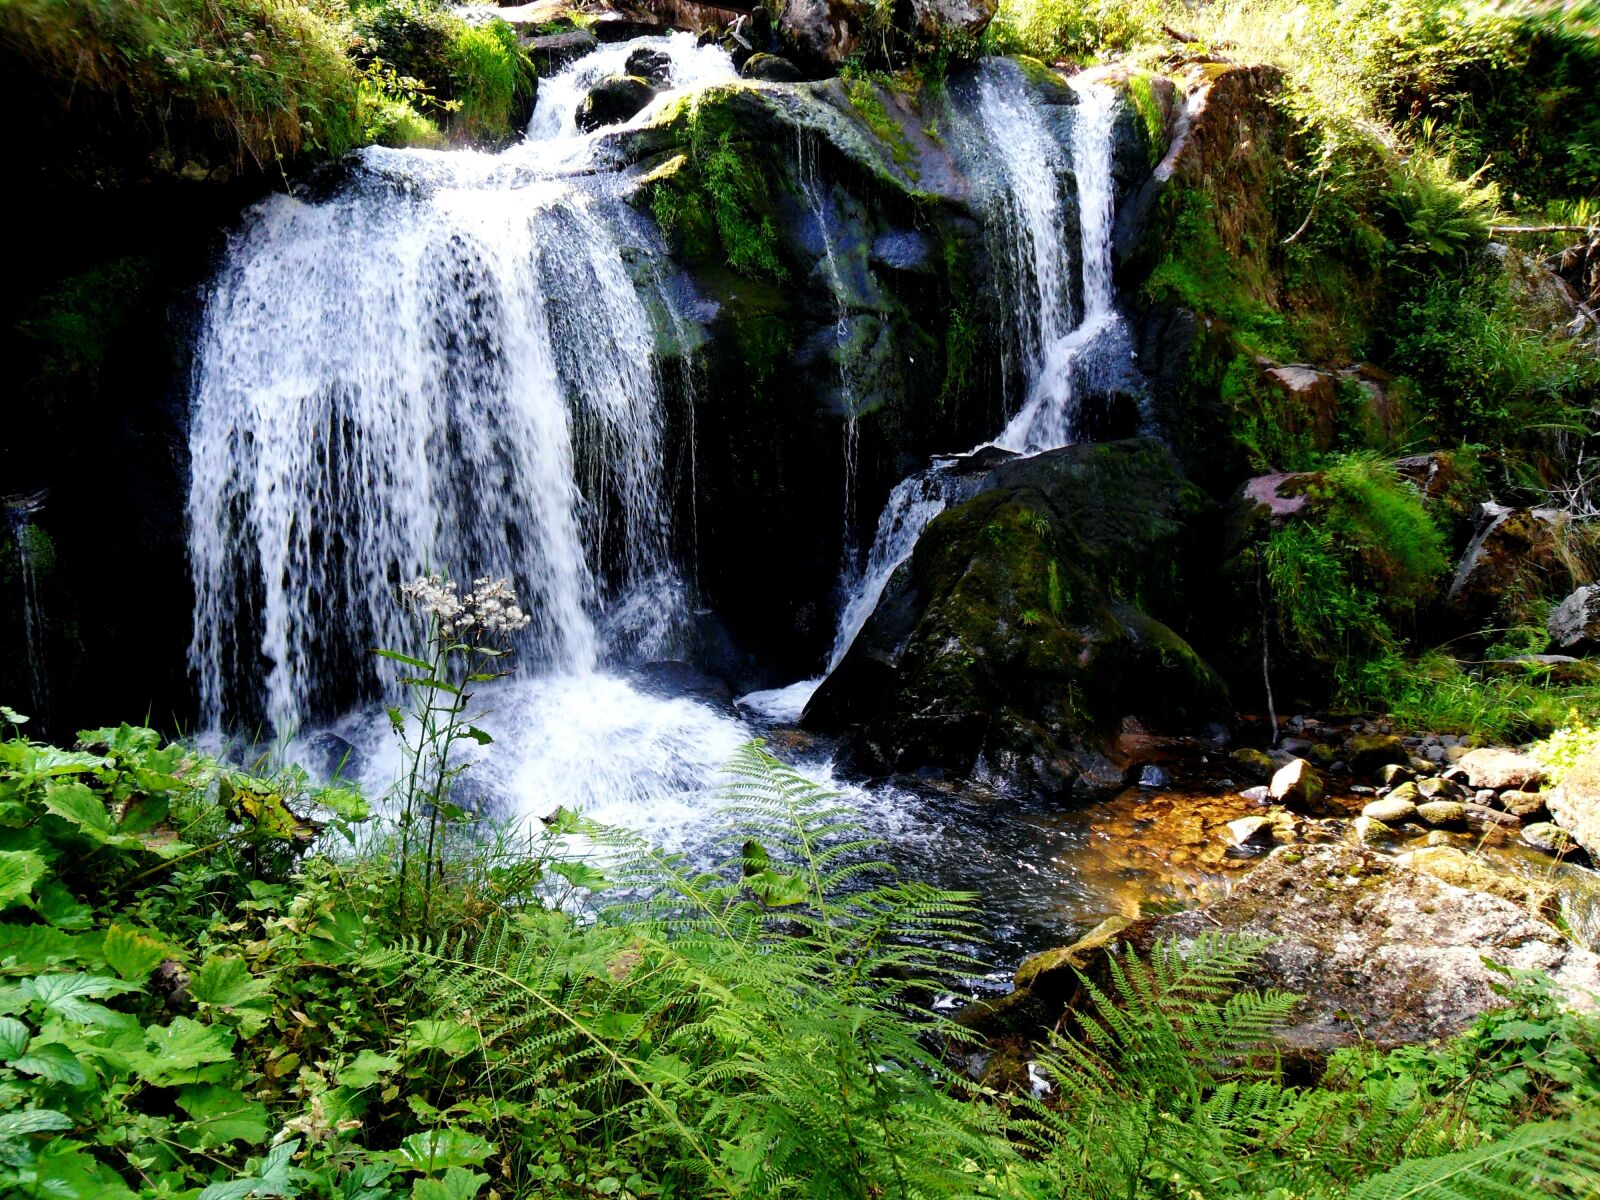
(489, 610)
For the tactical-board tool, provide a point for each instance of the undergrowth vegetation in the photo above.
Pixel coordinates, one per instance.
(201, 995)
(200, 87)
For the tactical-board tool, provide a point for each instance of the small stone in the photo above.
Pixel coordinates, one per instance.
(1437, 789)
(1255, 833)
(1407, 792)
(1340, 767)
(1437, 837)
(1370, 831)
(1485, 796)
(1254, 763)
(1521, 804)
(1481, 818)
(1390, 811)
(1423, 766)
(773, 68)
(1443, 812)
(1501, 769)
(1434, 754)
(1392, 773)
(1552, 839)
(1367, 752)
(1153, 777)
(1297, 785)
(1321, 755)
(1361, 789)
(1260, 794)
(1296, 746)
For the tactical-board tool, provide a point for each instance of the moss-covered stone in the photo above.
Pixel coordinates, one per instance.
(1022, 631)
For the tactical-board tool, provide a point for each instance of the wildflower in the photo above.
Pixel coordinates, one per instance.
(258, 60)
(489, 611)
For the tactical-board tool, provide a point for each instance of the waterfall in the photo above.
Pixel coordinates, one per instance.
(446, 364)
(817, 203)
(1054, 345)
(19, 512)
(1046, 419)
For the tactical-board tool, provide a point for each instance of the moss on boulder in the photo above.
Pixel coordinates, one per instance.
(1022, 630)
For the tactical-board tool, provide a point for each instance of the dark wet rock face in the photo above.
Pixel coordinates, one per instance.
(1574, 624)
(653, 66)
(773, 68)
(1022, 630)
(1517, 557)
(613, 101)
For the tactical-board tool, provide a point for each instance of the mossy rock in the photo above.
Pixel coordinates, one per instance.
(1023, 629)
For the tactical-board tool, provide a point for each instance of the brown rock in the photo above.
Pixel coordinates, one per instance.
(1575, 803)
(1297, 785)
(1501, 769)
(1380, 949)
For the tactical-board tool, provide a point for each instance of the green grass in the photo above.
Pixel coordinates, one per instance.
(490, 73)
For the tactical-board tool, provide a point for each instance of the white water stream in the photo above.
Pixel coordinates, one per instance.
(446, 363)
(1053, 341)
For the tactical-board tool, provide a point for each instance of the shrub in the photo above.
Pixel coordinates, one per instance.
(237, 80)
(491, 74)
(1342, 577)
(1484, 373)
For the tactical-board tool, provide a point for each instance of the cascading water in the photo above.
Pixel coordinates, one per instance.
(19, 513)
(1046, 419)
(444, 364)
(817, 202)
(1052, 345)
(448, 362)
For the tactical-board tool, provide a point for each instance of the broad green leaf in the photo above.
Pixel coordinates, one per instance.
(456, 1184)
(84, 808)
(478, 735)
(54, 1062)
(450, 1037)
(226, 982)
(438, 1149)
(68, 996)
(582, 875)
(65, 1172)
(777, 889)
(133, 954)
(11, 716)
(13, 1038)
(31, 1121)
(220, 1115)
(149, 810)
(61, 908)
(274, 1175)
(29, 949)
(367, 1069)
(19, 871)
(619, 1026)
(184, 1052)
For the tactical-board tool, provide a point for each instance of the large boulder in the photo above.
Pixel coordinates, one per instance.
(1517, 557)
(938, 19)
(1020, 633)
(1574, 624)
(829, 31)
(1574, 803)
(1384, 950)
(614, 100)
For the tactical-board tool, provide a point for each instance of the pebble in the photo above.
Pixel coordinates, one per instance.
(1260, 794)
(1153, 777)
(1443, 812)
(1389, 810)
(1547, 837)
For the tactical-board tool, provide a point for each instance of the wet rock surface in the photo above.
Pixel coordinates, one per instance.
(1011, 644)
(1383, 950)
